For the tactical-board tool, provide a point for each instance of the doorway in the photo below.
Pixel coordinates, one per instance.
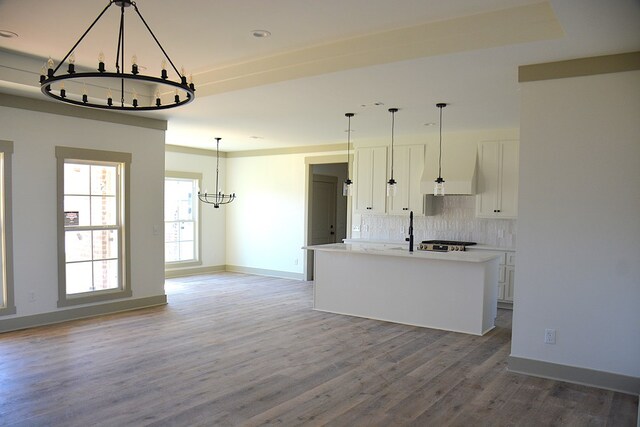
(327, 209)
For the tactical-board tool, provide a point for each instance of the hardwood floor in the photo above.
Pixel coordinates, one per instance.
(233, 349)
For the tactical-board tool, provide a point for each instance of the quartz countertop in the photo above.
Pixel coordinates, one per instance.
(479, 246)
(400, 250)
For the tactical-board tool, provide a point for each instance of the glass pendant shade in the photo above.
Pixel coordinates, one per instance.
(392, 188)
(438, 188)
(347, 187)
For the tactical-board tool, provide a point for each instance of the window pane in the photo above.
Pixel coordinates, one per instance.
(77, 246)
(81, 205)
(79, 277)
(171, 231)
(187, 231)
(171, 200)
(105, 244)
(171, 252)
(103, 210)
(76, 178)
(103, 180)
(105, 274)
(186, 251)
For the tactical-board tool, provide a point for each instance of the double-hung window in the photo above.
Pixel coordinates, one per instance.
(181, 215)
(6, 264)
(92, 225)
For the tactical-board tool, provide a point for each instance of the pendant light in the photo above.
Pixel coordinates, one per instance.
(218, 198)
(392, 188)
(346, 187)
(438, 188)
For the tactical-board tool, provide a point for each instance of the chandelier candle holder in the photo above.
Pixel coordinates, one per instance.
(184, 92)
(392, 188)
(218, 198)
(348, 183)
(438, 188)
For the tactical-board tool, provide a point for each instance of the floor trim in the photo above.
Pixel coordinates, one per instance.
(263, 272)
(573, 374)
(25, 322)
(194, 271)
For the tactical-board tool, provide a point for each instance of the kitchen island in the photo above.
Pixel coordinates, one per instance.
(453, 291)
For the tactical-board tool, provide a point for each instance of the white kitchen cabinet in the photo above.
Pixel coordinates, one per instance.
(370, 180)
(497, 179)
(407, 171)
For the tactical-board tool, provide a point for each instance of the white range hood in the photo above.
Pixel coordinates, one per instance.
(458, 168)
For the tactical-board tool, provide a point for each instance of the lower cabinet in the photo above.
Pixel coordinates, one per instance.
(506, 277)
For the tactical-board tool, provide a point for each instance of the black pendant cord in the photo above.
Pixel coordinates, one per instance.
(440, 155)
(393, 125)
(348, 144)
(217, 166)
(83, 36)
(120, 53)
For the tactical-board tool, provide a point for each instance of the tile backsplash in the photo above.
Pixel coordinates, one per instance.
(455, 220)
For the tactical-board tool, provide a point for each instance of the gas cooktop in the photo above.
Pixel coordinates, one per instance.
(443, 245)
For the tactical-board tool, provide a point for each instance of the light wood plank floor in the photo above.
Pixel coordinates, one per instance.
(233, 349)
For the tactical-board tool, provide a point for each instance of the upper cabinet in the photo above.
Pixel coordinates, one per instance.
(407, 171)
(497, 180)
(370, 179)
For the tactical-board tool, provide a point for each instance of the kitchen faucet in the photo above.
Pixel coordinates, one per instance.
(410, 238)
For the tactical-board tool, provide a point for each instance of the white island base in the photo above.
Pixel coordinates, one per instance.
(450, 291)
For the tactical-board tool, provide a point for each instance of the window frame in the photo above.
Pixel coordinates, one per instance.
(198, 222)
(95, 157)
(6, 237)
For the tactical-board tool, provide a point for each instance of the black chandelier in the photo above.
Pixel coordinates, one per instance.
(183, 90)
(218, 198)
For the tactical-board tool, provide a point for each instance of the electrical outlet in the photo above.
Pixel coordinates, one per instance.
(32, 296)
(356, 228)
(550, 336)
(402, 230)
(295, 261)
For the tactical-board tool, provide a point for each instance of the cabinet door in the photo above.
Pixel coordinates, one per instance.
(508, 286)
(488, 183)
(508, 203)
(363, 162)
(379, 180)
(408, 165)
(370, 181)
(497, 180)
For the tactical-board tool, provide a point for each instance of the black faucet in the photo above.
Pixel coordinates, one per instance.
(410, 238)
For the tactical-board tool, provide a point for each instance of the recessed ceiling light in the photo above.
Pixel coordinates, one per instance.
(8, 34)
(256, 137)
(260, 33)
(372, 104)
(430, 124)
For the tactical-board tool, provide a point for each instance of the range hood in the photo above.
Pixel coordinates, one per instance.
(458, 168)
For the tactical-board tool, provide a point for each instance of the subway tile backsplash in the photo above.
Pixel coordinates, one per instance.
(455, 220)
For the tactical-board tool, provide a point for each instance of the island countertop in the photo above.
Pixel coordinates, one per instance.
(402, 251)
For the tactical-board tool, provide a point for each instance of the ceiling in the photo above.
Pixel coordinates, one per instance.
(326, 58)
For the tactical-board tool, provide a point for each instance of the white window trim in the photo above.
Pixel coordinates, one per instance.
(6, 240)
(64, 154)
(180, 264)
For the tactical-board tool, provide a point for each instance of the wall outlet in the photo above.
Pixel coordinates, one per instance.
(295, 261)
(32, 296)
(356, 228)
(550, 336)
(402, 230)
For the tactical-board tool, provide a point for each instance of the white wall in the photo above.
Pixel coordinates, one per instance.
(578, 265)
(266, 223)
(213, 221)
(35, 136)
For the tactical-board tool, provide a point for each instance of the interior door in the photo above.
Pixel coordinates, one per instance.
(323, 229)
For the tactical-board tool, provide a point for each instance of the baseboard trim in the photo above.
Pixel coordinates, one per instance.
(25, 322)
(264, 272)
(195, 271)
(572, 374)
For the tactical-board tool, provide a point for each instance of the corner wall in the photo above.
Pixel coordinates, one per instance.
(579, 225)
(35, 135)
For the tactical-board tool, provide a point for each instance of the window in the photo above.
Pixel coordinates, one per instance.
(181, 215)
(6, 240)
(92, 232)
